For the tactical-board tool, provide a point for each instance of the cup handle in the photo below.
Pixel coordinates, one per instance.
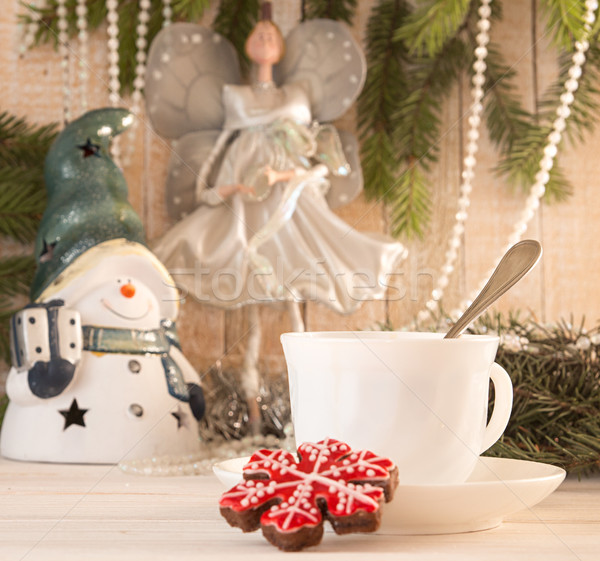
(503, 391)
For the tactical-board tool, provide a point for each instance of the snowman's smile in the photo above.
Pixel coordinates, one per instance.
(120, 314)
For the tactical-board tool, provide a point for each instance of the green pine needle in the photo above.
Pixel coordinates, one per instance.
(5, 315)
(564, 21)
(410, 207)
(235, 20)
(505, 117)
(428, 29)
(21, 143)
(555, 373)
(377, 106)
(16, 274)
(3, 406)
(189, 10)
(22, 202)
(183, 10)
(380, 164)
(413, 58)
(521, 165)
(341, 10)
(585, 109)
(418, 134)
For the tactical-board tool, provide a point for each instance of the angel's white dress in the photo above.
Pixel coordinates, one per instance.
(289, 246)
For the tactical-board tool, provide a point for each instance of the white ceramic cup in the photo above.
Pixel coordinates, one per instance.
(415, 397)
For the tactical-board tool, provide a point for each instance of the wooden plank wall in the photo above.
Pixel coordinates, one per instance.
(564, 284)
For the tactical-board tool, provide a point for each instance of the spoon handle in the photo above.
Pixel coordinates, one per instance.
(513, 266)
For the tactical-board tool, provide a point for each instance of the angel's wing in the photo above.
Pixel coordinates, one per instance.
(344, 189)
(189, 153)
(323, 54)
(187, 67)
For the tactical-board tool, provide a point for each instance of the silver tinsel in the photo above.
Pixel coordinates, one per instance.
(224, 431)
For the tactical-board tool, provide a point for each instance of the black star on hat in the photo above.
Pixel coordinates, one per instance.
(89, 149)
(73, 415)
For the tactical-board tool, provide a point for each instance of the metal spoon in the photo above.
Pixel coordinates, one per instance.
(513, 266)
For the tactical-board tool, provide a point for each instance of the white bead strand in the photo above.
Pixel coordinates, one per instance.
(478, 81)
(140, 73)
(83, 62)
(563, 111)
(114, 85)
(167, 13)
(64, 53)
(32, 28)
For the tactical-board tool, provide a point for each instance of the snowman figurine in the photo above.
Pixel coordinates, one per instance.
(98, 375)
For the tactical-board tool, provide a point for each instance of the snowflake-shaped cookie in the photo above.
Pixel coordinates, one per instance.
(290, 498)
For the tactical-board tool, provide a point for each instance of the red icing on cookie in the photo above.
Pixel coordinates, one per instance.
(328, 473)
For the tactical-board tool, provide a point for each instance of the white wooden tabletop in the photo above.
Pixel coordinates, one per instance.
(72, 512)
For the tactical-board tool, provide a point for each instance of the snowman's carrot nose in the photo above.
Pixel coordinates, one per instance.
(128, 290)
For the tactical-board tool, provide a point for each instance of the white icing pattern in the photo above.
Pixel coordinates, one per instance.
(327, 471)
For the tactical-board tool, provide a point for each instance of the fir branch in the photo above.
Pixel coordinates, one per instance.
(585, 108)
(521, 164)
(5, 315)
(235, 20)
(418, 134)
(189, 10)
(21, 143)
(555, 371)
(564, 21)
(418, 115)
(385, 87)
(411, 202)
(431, 26)
(183, 10)
(47, 18)
(379, 157)
(341, 10)
(3, 405)
(506, 118)
(16, 275)
(22, 202)
(396, 116)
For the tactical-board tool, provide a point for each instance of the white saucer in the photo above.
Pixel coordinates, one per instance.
(497, 488)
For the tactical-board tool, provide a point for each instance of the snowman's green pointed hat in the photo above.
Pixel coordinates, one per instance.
(87, 195)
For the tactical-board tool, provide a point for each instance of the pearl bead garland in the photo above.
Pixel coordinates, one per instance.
(64, 53)
(478, 80)
(542, 177)
(474, 120)
(82, 36)
(563, 111)
(32, 28)
(167, 13)
(140, 73)
(114, 85)
(202, 462)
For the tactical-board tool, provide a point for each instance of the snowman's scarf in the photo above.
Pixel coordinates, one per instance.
(140, 342)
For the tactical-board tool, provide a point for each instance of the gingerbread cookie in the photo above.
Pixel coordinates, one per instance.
(290, 499)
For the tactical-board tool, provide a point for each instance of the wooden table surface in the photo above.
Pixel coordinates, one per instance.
(72, 512)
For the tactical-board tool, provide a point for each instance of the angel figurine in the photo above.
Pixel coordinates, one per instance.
(256, 170)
